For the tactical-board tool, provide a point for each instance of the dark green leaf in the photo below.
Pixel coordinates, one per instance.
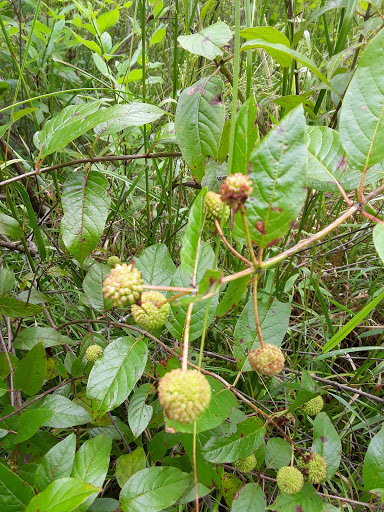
(250, 499)
(129, 464)
(57, 463)
(31, 371)
(7, 281)
(139, 413)
(66, 413)
(93, 284)
(14, 493)
(373, 468)
(15, 308)
(156, 265)
(30, 421)
(278, 453)
(307, 500)
(246, 135)
(232, 295)
(47, 336)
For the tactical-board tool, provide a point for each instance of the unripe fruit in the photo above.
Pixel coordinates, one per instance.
(51, 369)
(184, 395)
(113, 260)
(93, 353)
(235, 190)
(314, 406)
(123, 285)
(246, 465)
(313, 467)
(289, 480)
(213, 207)
(148, 315)
(267, 360)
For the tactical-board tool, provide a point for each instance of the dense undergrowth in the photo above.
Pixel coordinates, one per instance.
(126, 117)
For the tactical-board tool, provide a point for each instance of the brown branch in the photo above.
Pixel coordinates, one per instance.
(227, 244)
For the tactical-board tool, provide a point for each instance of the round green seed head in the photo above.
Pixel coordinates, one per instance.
(314, 468)
(184, 395)
(123, 285)
(246, 465)
(93, 353)
(213, 207)
(149, 315)
(267, 360)
(289, 480)
(113, 260)
(314, 406)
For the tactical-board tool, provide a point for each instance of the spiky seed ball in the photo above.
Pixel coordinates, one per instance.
(314, 406)
(235, 190)
(123, 285)
(149, 315)
(267, 360)
(246, 465)
(213, 207)
(93, 353)
(184, 395)
(51, 369)
(289, 480)
(113, 260)
(313, 467)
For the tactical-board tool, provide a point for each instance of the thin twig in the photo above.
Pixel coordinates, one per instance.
(227, 244)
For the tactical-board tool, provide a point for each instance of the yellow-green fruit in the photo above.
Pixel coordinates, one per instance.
(289, 480)
(113, 260)
(314, 406)
(246, 465)
(123, 285)
(149, 315)
(93, 353)
(213, 207)
(51, 369)
(184, 395)
(314, 468)
(267, 360)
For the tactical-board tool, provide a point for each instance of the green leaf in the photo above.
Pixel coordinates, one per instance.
(4, 365)
(191, 245)
(271, 35)
(107, 20)
(66, 413)
(249, 499)
(232, 295)
(230, 486)
(378, 239)
(278, 453)
(220, 407)
(88, 43)
(15, 308)
(93, 284)
(354, 322)
(308, 390)
(327, 443)
(47, 336)
(373, 468)
(139, 413)
(86, 206)
(129, 464)
(113, 376)
(246, 440)
(199, 122)
(278, 175)
(326, 161)
(307, 500)
(105, 505)
(57, 463)
(206, 473)
(10, 227)
(362, 112)
(7, 281)
(156, 265)
(208, 42)
(30, 421)
(153, 489)
(34, 296)
(14, 493)
(31, 371)
(274, 321)
(62, 495)
(246, 135)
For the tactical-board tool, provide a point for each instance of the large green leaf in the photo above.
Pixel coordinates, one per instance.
(31, 371)
(249, 499)
(246, 135)
(86, 204)
(373, 468)
(270, 35)
(278, 175)
(274, 321)
(93, 284)
(7, 281)
(47, 336)
(14, 493)
(208, 42)
(129, 464)
(362, 112)
(10, 227)
(278, 453)
(140, 413)
(156, 265)
(246, 440)
(15, 308)
(66, 413)
(191, 245)
(29, 423)
(113, 376)
(57, 463)
(153, 489)
(62, 495)
(326, 161)
(307, 500)
(378, 239)
(76, 120)
(199, 122)
(327, 443)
